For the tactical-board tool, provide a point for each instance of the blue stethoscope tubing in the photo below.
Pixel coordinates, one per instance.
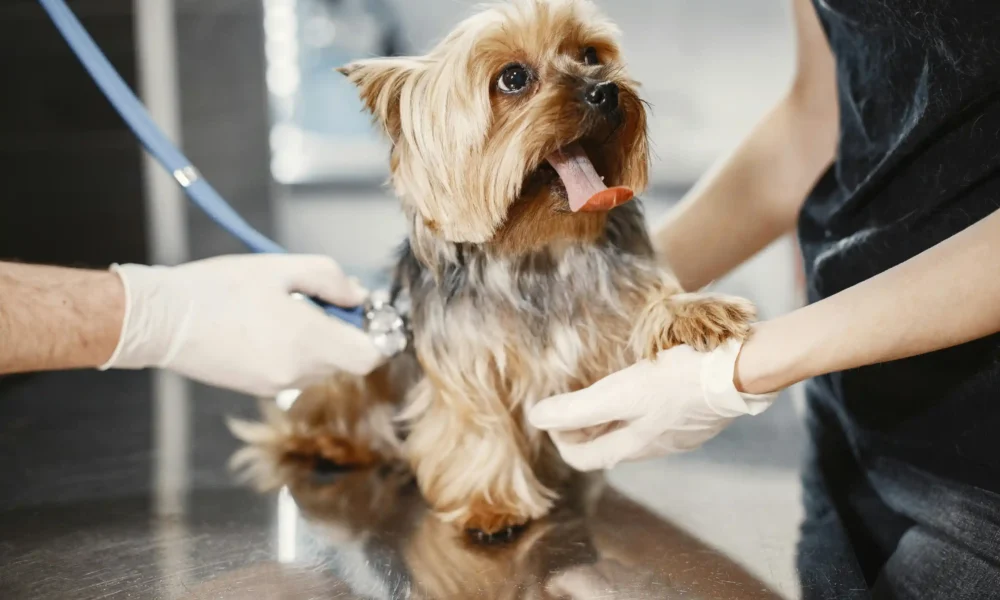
(198, 190)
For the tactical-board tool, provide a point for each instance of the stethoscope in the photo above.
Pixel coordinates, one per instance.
(379, 317)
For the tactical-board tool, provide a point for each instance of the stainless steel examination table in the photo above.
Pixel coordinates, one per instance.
(116, 485)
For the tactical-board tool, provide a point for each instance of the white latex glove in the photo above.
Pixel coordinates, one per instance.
(674, 403)
(232, 322)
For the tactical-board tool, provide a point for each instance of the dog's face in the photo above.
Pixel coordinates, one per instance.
(512, 127)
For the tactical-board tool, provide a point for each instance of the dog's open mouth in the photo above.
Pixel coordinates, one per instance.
(585, 188)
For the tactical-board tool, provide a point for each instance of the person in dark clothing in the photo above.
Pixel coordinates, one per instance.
(885, 153)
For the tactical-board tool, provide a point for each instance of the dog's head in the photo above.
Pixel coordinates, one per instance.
(511, 130)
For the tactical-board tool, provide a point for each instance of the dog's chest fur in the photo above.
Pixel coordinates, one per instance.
(514, 330)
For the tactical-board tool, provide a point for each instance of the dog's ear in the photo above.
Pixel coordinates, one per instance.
(380, 83)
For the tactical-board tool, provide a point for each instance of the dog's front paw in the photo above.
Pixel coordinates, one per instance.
(503, 536)
(705, 321)
(329, 452)
(491, 524)
(702, 321)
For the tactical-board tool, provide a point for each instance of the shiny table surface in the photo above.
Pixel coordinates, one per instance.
(117, 486)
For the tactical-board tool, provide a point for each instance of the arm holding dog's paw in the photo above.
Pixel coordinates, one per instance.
(940, 298)
(229, 321)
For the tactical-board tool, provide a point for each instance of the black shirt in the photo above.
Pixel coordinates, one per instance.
(918, 161)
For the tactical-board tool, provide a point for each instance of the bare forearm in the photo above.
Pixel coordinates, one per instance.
(754, 196)
(941, 298)
(57, 318)
(750, 199)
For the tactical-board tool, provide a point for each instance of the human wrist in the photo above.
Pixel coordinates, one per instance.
(109, 310)
(718, 387)
(764, 365)
(148, 311)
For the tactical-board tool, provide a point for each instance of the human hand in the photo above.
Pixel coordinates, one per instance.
(671, 404)
(232, 322)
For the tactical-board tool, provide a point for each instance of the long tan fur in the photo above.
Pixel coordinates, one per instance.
(514, 297)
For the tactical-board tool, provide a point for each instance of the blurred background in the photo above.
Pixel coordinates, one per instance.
(247, 88)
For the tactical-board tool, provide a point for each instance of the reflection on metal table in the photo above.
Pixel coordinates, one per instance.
(116, 486)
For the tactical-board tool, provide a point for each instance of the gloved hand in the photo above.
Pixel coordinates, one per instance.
(232, 322)
(671, 404)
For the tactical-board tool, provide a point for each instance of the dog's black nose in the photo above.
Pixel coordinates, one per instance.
(603, 96)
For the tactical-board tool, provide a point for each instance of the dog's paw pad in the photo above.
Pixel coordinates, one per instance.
(502, 536)
(324, 466)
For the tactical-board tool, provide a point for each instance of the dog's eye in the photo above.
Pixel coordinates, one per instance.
(590, 56)
(513, 80)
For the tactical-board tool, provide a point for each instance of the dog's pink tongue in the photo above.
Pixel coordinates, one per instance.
(584, 186)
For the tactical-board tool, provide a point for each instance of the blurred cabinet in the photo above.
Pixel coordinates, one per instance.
(70, 172)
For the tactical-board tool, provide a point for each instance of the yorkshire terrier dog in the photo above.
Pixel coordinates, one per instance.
(517, 143)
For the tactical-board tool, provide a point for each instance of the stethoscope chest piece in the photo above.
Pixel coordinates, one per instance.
(385, 325)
